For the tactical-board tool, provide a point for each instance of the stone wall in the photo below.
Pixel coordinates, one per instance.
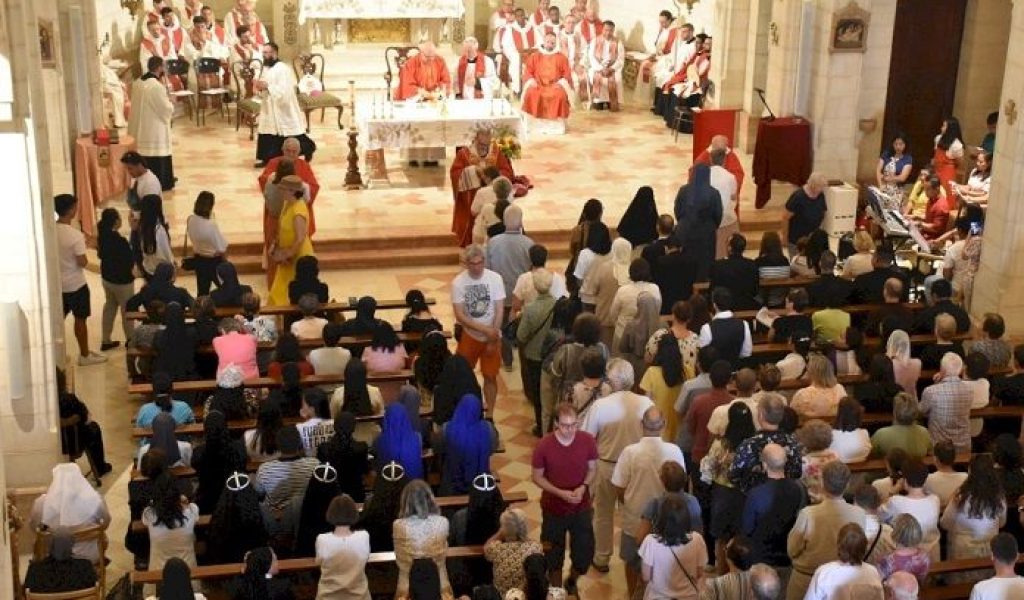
(982, 62)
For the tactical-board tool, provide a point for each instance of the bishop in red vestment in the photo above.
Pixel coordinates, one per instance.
(291, 149)
(547, 82)
(424, 75)
(467, 177)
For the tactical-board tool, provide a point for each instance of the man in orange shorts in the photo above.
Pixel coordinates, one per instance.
(478, 296)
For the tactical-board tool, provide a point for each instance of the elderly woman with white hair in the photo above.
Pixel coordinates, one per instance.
(533, 328)
(906, 370)
(508, 548)
(805, 210)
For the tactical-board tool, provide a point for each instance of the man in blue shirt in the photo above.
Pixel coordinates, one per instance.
(163, 402)
(771, 509)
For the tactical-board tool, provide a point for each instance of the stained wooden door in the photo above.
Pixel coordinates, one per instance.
(923, 71)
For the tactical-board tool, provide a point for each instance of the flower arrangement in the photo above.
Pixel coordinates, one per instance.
(508, 144)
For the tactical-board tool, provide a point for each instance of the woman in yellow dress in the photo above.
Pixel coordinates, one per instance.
(292, 241)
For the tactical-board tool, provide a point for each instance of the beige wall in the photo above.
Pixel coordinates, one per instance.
(982, 62)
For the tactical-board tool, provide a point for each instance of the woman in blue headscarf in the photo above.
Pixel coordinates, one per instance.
(698, 211)
(399, 442)
(468, 441)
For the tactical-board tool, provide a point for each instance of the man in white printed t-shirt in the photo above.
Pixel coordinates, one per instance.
(1006, 585)
(478, 297)
(73, 287)
(725, 182)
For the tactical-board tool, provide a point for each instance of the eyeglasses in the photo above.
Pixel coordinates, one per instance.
(568, 425)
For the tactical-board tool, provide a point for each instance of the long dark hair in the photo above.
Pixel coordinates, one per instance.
(741, 425)
(357, 392)
(105, 229)
(236, 525)
(599, 239)
(889, 152)
(152, 214)
(384, 337)
(592, 211)
(417, 303)
(952, 133)
(672, 525)
(982, 489)
(434, 353)
(670, 360)
(483, 513)
(535, 567)
(167, 502)
(288, 349)
(253, 585)
(268, 423)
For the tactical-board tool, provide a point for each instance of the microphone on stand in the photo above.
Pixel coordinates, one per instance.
(760, 94)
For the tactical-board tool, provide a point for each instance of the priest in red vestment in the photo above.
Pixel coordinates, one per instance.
(467, 174)
(732, 162)
(424, 75)
(290, 149)
(547, 86)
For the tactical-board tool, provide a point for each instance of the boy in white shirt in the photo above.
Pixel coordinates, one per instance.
(1006, 584)
(73, 287)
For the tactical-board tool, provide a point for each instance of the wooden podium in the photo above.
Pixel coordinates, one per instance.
(711, 122)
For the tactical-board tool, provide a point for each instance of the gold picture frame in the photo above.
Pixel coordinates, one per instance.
(47, 44)
(849, 31)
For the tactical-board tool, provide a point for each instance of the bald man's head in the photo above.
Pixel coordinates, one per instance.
(902, 586)
(719, 142)
(773, 456)
(428, 50)
(653, 422)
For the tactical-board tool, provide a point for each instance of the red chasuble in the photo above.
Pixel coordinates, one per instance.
(463, 190)
(305, 173)
(547, 99)
(419, 72)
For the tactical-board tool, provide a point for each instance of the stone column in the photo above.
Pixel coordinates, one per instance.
(783, 56)
(999, 284)
(31, 330)
(729, 63)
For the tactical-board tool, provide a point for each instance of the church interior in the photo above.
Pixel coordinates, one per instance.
(835, 94)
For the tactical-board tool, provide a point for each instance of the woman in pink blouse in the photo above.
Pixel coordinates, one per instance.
(385, 353)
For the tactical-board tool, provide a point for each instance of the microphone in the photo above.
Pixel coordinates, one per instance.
(759, 90)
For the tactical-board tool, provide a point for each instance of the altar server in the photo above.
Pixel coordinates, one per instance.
(503, 17)
(590, 26)
(150, 122)
(540, 16)
(280, 115)
(606, 58)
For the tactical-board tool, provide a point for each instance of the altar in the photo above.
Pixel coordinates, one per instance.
(373, 21)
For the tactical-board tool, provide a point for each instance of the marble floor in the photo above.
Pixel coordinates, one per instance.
(605, 155)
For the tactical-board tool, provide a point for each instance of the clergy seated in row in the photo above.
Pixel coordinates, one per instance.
(605, 61)
(686, 87)
(172, 28)
(201, 44)
(673, 45)
(244, 49)
(476, 76)
(571, 44)
(518, 36)
(590, 26)
(244, 13)
(547, 89)
(156, 43)
(467, 174)
(424, 78)
(552, 21)
(504, 16)
(280, 115)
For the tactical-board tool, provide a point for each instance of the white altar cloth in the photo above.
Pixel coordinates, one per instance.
(380, 9)
(422, 125)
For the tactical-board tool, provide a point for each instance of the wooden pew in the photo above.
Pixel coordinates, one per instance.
(307, 344)
(927, 375)
(878, 464)
(291, 565)
(853, 309)
(209, 385)
(196, 429)
(291, 309)
(918, 339)
(768, 283)
(955, 591)
(443, 502)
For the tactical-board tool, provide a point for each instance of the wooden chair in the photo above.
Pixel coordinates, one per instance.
(306, 64)
(395, 58)
(684, 114)
(524, 55)
(210, 88)
(94, 534)
(178, 67)
(72, 445)
(247, 104)
(86, 594)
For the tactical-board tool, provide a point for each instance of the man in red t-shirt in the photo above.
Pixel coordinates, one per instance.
(936, 213)
(564, 464)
